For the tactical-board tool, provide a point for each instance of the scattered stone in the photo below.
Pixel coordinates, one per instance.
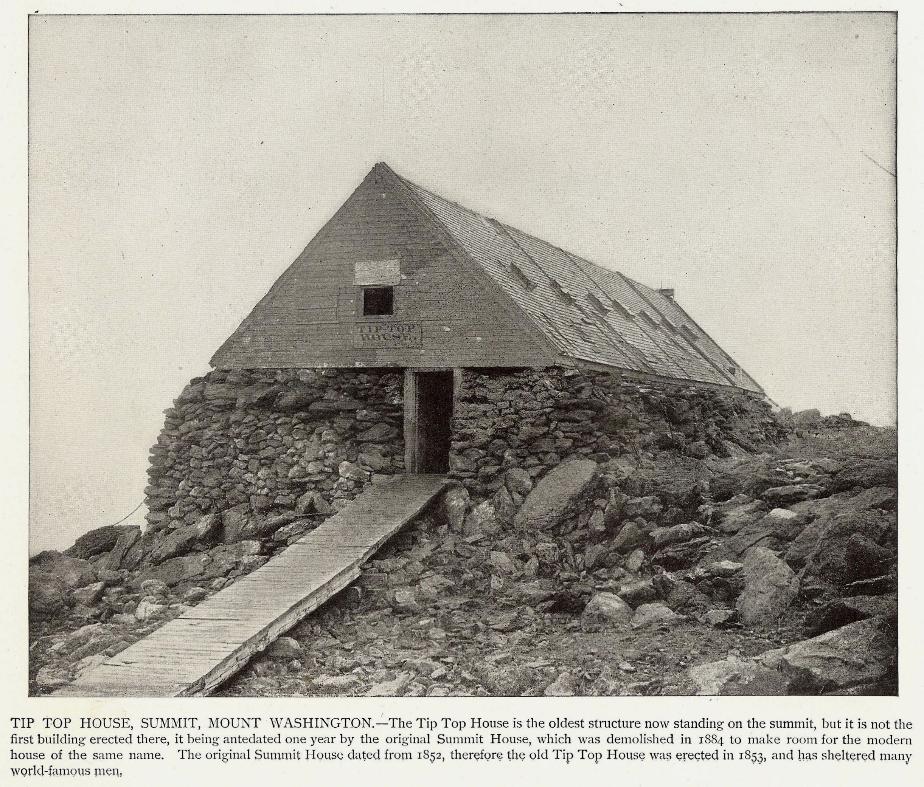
(723, 568)
(656, 615)
(284, 649)
(342, 682)
(90, 594)
(662, 536)
(52, 677)
(481, 519)
(125, 541)
(635, 560)
(390, 688)
(794, 493)
(731, 518)
(195, 594)
(501, 562)
(147, 609)
(719, 617)
(565, 685)
(453, 506)
(594, 555)
(646, 507)
(518, 481)
(605, 611)
(639, 592)
(154, 587)
(632, 535)
(404, 600)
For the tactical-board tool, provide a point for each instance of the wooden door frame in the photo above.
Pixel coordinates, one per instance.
(411, 458)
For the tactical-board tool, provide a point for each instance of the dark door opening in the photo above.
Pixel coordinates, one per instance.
(434, 396)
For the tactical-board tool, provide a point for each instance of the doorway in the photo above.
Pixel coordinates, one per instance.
(427, 413)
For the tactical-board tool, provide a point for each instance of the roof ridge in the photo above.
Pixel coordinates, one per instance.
(455, 247)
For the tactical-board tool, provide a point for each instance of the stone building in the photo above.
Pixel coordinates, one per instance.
(413, 335)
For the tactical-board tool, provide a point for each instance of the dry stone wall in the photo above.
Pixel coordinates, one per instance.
(254, 443)
(534, 419)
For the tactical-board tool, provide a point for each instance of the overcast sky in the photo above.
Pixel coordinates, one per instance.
(178, 165)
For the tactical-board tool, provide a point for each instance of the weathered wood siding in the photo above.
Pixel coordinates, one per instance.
(446, 311)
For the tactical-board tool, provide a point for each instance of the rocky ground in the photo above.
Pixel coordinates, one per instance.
(771, 573)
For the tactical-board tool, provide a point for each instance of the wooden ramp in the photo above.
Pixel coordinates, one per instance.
(196, 652)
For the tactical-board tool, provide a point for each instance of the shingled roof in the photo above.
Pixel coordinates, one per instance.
(586, 311)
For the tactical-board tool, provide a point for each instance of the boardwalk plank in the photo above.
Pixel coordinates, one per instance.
(195, 653)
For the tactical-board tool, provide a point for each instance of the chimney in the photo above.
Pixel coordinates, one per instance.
(667, 292)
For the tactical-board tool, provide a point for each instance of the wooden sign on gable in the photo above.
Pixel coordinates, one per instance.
(377, 273)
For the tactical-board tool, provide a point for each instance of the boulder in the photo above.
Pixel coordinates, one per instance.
(558, 495)
(866, 473)
(234, 521)
(217, 562)
(48, 593)
(293, 530)
(179, 569)
(842, 611)
(775, 530)
(770, 586)
(864, 559)
(824, 546)
(723, 568)
(736, 677)
(856, 654)
(72, 571)
(808, 417)
(177, 542)
(95, 542)
(126, 539)
(605, 611)
(683, 554)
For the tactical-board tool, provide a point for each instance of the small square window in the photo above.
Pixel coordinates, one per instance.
(378, 301)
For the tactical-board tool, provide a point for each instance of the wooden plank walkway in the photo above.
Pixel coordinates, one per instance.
(196, 652)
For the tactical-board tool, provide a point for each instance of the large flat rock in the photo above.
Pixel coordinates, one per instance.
(558, 495)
